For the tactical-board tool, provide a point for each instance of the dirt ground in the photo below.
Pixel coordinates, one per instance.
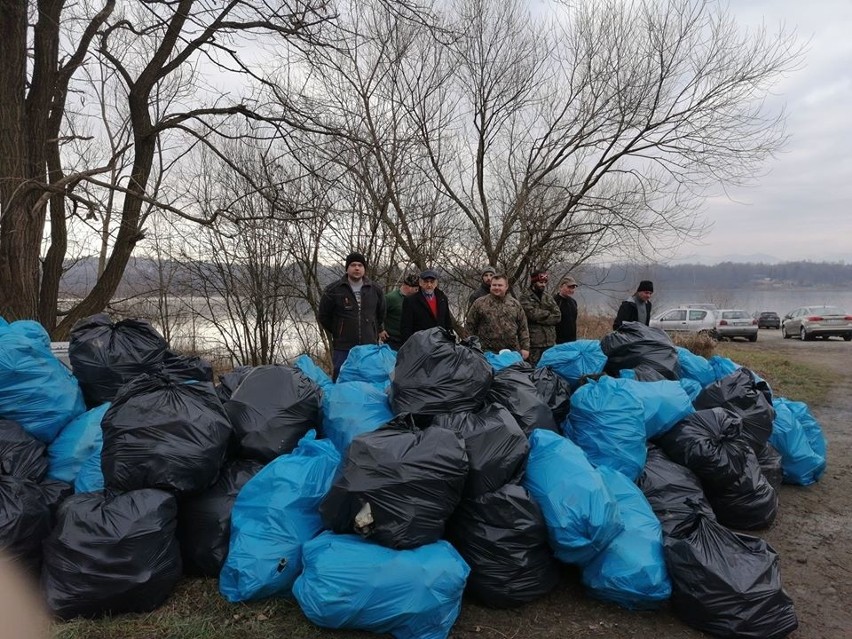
(812, 535)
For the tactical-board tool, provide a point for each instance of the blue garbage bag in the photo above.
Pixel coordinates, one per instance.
(581, 514)
(695, 367)
(275, 513)
(692, 388)
(371, 363)
(665, 403)
(631, 571)
(504, 358)
(312, 371)
(573, 360)
(608, 423)
(797, 436)
(90, 479)
(78, 441)
(355, 584)
(352, 408)
(36, 389)
(722, 366)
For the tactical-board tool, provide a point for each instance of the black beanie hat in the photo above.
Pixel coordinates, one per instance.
(356, 257)
(645, 285)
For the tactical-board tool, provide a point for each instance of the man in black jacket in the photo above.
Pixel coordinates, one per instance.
(566, 329)
(352, 311)
(425, 309)
(636, 308)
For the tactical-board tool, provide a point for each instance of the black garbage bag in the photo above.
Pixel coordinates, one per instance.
(513, 388)
(272, 409)
(554, 390)
(21, 454)
(204, 520)
(673, 491)
(502, 536)
(750, 503)
(647, 373)
(55, 492)
(496, 447)
(163, 433)
(749, 398)
(187, 367)
(634, 345)
(434, 375)
(106, 355)
(111, 553)
(24, 521)
(398, 486)
(770, 465)
(727, 584)
(710, 443)
(229, 381)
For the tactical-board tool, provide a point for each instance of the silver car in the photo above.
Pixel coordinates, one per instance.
(810, 322)
(734, 322)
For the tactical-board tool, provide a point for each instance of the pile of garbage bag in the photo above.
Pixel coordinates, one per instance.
(418, 476)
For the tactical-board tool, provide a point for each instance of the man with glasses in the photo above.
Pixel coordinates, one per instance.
(566, 329)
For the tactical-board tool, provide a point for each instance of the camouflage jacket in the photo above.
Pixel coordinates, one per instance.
(543, 315)
(499, 323)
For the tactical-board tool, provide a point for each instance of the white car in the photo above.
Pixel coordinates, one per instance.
(735, 322)
(686, 320)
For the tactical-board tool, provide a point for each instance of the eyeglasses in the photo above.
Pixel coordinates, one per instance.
(571, 285)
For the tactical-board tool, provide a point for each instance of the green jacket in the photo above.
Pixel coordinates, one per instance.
(393, 312)
(499, 323)
(543, 315)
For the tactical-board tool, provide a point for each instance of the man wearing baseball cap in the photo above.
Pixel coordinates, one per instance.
(427, 308)
(352, 311)
(637, 307)
(394, 300)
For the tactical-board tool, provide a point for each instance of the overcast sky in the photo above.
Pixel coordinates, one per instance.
(802, 207)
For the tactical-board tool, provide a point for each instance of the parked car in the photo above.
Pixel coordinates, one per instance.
(735, 322)
(686, 320)
(810, 322)
(767, 319)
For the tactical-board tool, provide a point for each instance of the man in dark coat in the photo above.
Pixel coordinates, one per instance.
(637, 307)
(352, 311)
(427, 308)
(566, 329)
(484, 285)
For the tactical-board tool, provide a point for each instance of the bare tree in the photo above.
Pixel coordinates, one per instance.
(594, 128)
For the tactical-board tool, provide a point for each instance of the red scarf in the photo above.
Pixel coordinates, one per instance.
(432, 302)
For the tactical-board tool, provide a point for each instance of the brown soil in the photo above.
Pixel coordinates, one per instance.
(812, 535)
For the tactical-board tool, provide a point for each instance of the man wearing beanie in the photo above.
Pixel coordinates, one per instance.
(352, 311)
(542, 313)
(636, 308)
(484, 286)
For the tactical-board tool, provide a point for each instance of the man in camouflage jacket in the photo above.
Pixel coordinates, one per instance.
(498, 319)
(543, 315)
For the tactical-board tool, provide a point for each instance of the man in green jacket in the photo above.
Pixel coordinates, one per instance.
(542, 313)
(393, 302)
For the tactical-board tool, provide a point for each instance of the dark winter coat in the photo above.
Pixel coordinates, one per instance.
(417, 316)
(629, 312)
(566, 329)
(348, 323)
(482, 291)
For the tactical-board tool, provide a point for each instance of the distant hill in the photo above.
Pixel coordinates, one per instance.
(141, 272)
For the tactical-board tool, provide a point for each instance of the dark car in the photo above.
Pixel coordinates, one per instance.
(767, 319)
